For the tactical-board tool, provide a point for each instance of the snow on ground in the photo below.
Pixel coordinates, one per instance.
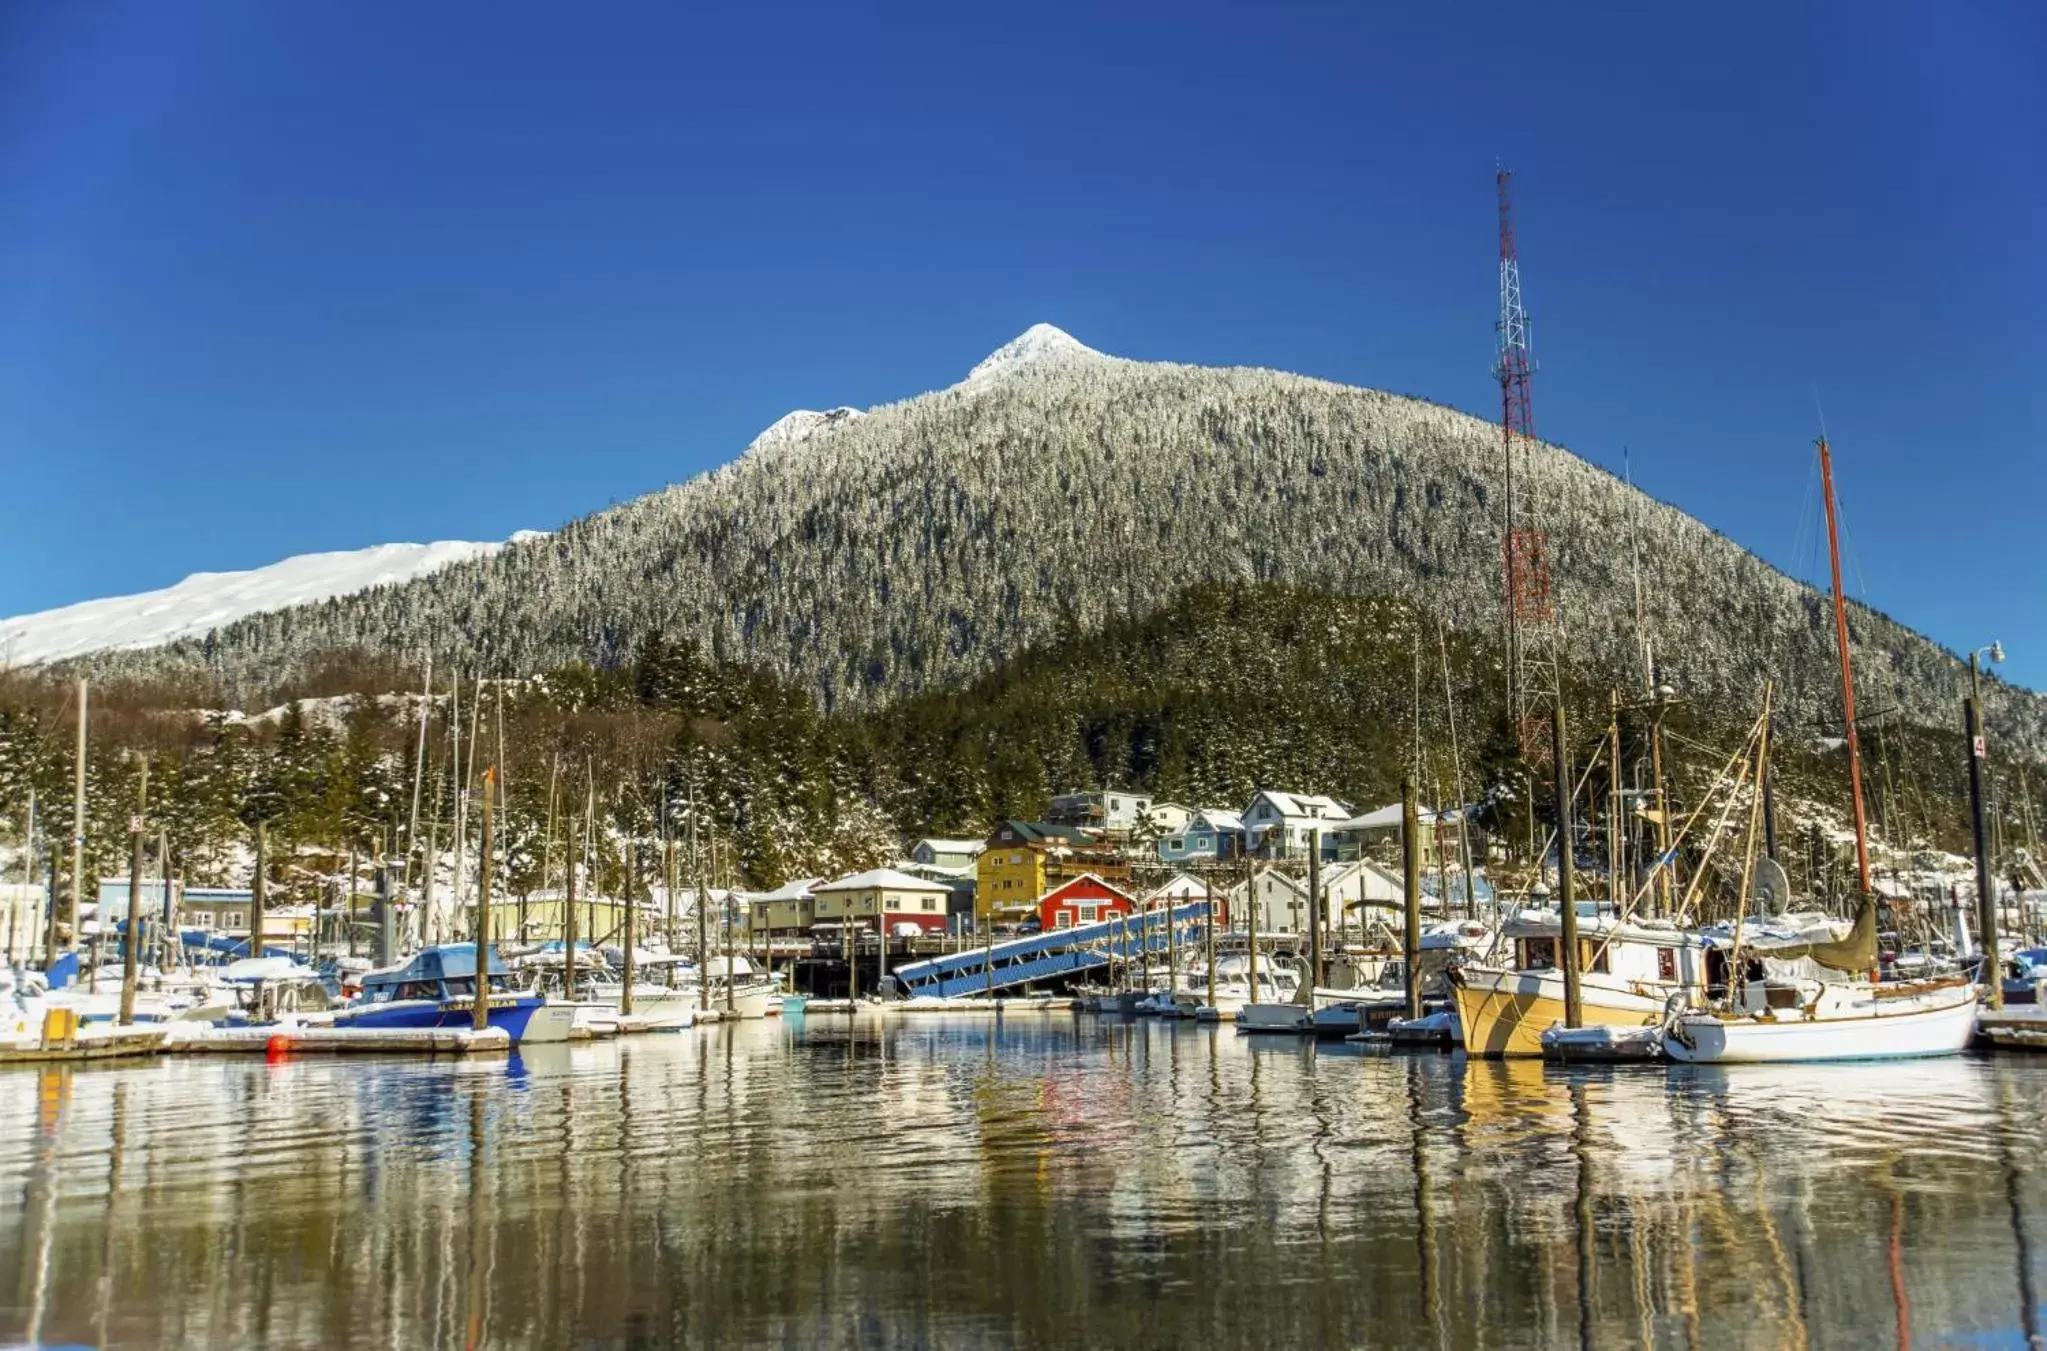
(207, 600)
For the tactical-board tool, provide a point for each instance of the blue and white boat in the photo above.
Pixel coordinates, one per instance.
(437, 989)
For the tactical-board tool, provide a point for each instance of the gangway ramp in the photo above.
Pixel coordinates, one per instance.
(1061, 952)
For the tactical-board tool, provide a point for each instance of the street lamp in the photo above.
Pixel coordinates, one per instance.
(1986, 895)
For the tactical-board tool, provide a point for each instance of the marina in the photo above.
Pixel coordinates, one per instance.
(884, 1181)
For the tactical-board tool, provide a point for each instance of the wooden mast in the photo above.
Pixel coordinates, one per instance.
(1847, 673)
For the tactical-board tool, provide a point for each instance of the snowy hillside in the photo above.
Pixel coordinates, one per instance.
(206, 600)
(870, 556)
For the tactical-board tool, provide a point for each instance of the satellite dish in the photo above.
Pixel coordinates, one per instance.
(1772, 887)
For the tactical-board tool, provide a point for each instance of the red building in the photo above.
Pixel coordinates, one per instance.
(1087, 899)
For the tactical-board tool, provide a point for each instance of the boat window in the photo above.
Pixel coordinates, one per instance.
(417, 989)
(1666, 964)
(459, 986)
(1594, 956)
(1538, 954)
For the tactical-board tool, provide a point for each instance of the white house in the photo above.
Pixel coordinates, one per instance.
(1277, 824)
(1111, 811)
(1168, 818)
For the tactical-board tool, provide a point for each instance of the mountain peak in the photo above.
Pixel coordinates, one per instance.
(1038, 345)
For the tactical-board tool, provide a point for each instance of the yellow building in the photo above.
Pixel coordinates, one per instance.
(1023, 859)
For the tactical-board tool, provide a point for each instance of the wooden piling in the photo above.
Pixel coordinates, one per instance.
(131, 944)
(479, 1009)
(1315, 974)
(1411, 890)
(1208, 887)
(632, 905)
(569, 923)
(259, 891)
(1574, 1005)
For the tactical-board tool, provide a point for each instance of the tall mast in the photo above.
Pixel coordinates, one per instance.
(1847, 672)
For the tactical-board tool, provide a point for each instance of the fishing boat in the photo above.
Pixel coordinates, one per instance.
(1826, 1001)
(437, 989)
(1628, 972)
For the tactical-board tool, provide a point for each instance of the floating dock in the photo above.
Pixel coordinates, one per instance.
(2021, 1027)
(206, 1037)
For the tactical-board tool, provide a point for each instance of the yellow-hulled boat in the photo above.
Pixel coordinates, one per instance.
(1627, 973)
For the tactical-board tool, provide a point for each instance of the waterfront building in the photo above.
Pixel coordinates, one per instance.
(1277, 824)
(786, 912)
(882, 898)
(1377, 834)
(1025, 858)
(1213, 833)
(1086, 899)
(937, 853)
(1116, 814)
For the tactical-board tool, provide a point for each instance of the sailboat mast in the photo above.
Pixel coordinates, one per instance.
(1847, 672)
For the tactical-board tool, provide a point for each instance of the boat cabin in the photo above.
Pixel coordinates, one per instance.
(444, 972)
(1628, 951)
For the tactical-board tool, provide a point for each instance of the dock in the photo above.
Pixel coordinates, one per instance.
(208, 1038)
(2019, 1027)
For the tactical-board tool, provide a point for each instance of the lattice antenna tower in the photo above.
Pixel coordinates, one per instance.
(1526, 607)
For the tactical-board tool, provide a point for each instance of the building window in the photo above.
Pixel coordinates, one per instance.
(1062, 919)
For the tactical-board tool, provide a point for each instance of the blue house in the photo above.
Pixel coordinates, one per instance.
(1213, 833)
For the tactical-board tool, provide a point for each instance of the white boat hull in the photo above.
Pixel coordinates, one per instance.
(1294, 1018)
(550, 1022)
(1926, 1028)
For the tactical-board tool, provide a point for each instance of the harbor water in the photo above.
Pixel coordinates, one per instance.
(1042, 1180)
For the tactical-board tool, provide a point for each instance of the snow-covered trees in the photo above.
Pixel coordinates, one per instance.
(880, 555)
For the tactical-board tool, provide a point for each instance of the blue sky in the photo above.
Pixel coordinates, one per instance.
(285, 277)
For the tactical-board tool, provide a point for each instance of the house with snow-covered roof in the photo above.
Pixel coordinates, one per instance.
(882, 899)
(1213, 833)
(1277, 825)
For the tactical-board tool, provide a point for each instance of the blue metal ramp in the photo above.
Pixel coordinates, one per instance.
(1062, 952)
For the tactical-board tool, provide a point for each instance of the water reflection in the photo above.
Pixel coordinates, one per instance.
(1028, 1182)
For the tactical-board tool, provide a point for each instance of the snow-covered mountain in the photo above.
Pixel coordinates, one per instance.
(869, 556)
(206, 600)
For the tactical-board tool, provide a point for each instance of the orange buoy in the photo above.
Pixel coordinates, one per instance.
(278, 1047)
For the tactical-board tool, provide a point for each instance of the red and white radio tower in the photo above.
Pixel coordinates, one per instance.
(1525, 548)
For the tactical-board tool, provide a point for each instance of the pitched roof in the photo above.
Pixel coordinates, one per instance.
(1072, 882)
(1220, 818)
(1038, 832)
(1181, 887)
(1314, 806)
(880, 879)
(953, 846)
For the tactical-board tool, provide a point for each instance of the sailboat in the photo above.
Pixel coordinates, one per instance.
(1823, 1001)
